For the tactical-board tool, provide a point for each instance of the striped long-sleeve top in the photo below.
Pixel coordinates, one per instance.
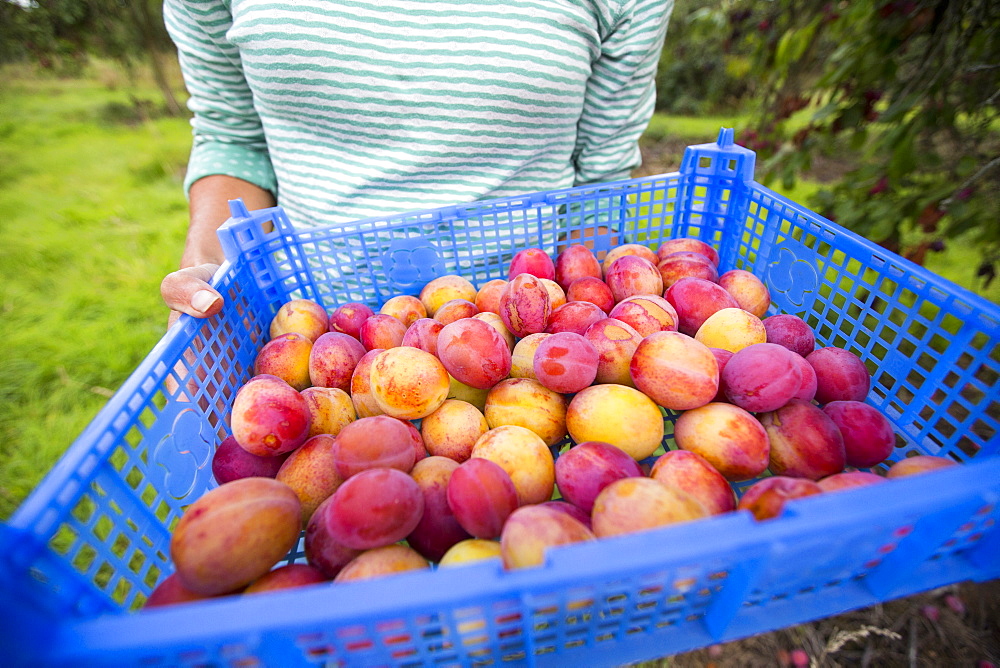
(355, 108)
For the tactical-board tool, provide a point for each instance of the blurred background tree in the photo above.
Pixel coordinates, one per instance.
(61, 35)
(706, 63)
(905, 92)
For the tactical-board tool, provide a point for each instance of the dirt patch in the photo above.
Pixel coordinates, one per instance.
(828, 169)
(957, 625)
(660, 157)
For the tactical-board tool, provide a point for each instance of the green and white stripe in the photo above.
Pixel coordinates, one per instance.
(351, 109)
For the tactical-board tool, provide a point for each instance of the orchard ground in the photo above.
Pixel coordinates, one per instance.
(95, 216)
(954, 626)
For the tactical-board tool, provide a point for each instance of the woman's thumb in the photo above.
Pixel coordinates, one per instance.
(188, 291)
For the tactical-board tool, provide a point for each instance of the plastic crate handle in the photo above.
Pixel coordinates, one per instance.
(724, 158)
(257, 237)
(716, 180)
(245, 229)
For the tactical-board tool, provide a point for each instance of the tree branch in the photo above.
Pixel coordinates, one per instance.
(995, 162)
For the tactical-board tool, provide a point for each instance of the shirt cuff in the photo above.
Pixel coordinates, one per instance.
(237, 160)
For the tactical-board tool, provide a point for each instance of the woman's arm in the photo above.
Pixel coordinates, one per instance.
(209, 208)
(187, 290)
(621, 91)
(229, 157)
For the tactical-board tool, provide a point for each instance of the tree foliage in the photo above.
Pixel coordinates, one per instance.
(705, 63)
(902, 94)
(61, 34)
(908, 88)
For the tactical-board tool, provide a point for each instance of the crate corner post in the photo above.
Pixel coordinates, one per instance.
(267, 240)
(713, 201)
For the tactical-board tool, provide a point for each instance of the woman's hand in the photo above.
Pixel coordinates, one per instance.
(188, 291)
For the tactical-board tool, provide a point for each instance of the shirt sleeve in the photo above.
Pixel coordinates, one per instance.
(621, 91)
(228, 135)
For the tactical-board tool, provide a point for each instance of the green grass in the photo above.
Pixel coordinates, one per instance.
(700, 129)
(93, 217)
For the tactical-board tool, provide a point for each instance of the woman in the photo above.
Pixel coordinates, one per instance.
(343, 110)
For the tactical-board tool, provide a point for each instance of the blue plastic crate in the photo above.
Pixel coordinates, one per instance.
(92, 540)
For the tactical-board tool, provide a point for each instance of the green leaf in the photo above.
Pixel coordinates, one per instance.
(825, 112)
(899, 107)
(966, 166)
(851, 116)
(903, 159)
(935, 192)
(859, 139)
(793, 44)
(963, 225)
(883, 223)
